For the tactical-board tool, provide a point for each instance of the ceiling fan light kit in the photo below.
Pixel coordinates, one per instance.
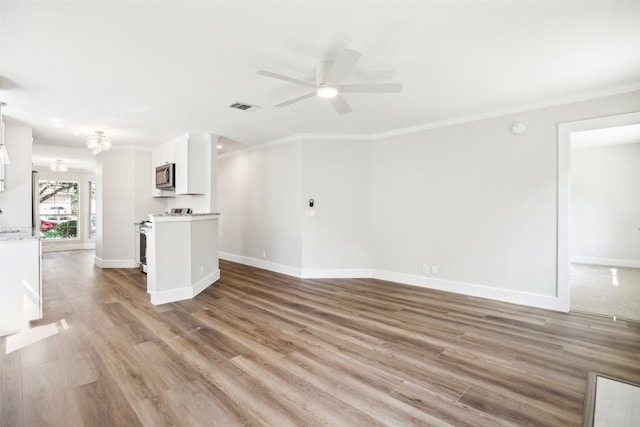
(328, 76)
(325, 91)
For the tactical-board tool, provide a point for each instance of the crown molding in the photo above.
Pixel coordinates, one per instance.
(504, 112)
(439, 124)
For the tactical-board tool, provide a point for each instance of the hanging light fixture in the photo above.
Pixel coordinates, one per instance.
(58, 166)
(98, 142)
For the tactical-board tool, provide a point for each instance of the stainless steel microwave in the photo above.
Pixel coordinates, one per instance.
(165, 176)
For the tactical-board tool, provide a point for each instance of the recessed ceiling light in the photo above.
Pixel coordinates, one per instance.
(219, 146)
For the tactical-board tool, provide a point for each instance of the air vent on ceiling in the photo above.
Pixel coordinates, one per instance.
(243, 106)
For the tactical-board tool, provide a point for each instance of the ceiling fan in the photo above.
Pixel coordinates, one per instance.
(328, 77)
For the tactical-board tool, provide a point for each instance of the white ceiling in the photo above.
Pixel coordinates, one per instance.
(145, 72)
(620, 135)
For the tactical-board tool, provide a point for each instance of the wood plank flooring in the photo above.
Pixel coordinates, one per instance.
(259, 348)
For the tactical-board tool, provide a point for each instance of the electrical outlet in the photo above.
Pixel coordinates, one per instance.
(264, 254)
(434, 269)
(425, 268)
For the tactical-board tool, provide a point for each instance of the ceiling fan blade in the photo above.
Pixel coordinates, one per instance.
(340, 104)
(286, 78)
(371, 88)
(343, 64)
(294, 100)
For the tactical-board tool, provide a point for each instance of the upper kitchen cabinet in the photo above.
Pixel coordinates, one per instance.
(165, 153)
(192, 152)
(161, 155)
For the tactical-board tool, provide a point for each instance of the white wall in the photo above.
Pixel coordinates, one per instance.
(472, 198)
(123, 197)
(605, 205)
(479, 202)
(144, 204)
(84, 241)
(337, 240)
(259, 194)
(15, 201)
(475, 200)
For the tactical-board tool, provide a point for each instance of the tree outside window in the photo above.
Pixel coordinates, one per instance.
(58, 209)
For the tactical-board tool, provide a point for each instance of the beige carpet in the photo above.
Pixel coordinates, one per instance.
(606, 291)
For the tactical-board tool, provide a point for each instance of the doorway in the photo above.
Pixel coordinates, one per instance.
(599, 216)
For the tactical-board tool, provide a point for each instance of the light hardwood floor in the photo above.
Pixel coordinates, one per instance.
(259, 348)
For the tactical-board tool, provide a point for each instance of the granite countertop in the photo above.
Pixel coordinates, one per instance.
(166, 217)
(187, 215)
(18, 233)
(183, 215)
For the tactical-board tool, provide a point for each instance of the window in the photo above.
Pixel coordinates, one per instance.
(58, 209)
(92, 208)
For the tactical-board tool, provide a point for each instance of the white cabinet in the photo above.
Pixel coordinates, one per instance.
(161, 155)
(182, 256)
(192, 154)
(20, 284)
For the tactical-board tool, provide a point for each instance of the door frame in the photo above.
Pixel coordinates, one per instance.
(563, 290)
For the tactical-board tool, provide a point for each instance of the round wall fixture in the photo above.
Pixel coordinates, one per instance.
(518, 128)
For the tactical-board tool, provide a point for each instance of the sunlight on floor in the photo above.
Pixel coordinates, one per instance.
(33, 335)
(614, 277)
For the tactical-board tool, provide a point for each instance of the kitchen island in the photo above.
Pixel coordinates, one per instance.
(182, 256)
(20, 279)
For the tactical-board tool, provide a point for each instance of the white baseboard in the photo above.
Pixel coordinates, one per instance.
(336, 273)
(205, 282)
(52, 246)
(612, 262)
(187, 292)
(302, 273)
(260, 263)
(499, 294)
(115, 263)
